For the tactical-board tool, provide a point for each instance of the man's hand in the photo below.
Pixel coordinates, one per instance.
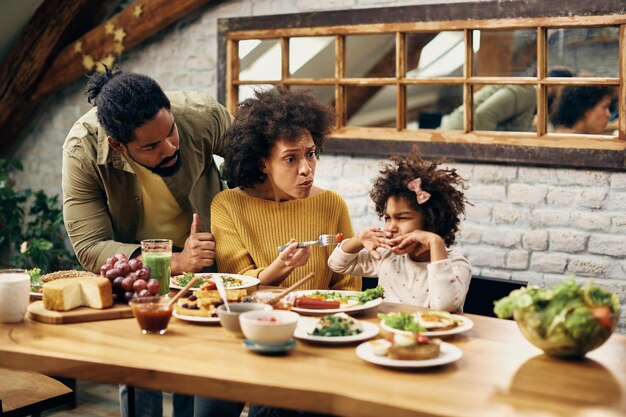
(198, 253)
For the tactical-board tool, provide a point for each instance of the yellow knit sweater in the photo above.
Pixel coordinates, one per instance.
(249, 230)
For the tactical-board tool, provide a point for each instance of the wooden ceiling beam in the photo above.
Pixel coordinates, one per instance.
(39, 69)
(53, 24)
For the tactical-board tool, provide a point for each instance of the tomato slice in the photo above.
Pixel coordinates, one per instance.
(603, 315)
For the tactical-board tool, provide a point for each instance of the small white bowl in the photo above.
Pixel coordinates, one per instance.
(230, 320)
(269, 327)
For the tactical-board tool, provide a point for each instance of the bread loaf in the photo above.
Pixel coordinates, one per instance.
(67, 274)
(69, 293)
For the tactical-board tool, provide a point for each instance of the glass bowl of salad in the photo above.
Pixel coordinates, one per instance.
(566, 320)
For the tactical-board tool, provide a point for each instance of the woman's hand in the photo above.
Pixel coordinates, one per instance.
(289, 259)
(419, 242)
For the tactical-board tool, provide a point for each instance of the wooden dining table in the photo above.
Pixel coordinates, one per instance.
(500, 373)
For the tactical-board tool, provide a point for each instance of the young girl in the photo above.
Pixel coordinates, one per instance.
(421, 205)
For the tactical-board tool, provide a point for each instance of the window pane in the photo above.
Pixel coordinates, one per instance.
(323, 93)
(435, 54)
(590, 110)
(585, 51)
(312, 57)
(371, 56)
(247, 91)
(371, 106)
(426, 104)
(499, 108)
(259, 60)
(505, 53)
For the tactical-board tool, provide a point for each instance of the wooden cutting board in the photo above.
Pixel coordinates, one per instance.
(37, 312)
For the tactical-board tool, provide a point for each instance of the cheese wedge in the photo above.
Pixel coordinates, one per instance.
(69, 293)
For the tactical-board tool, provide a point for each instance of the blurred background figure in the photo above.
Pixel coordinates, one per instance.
(583, 110)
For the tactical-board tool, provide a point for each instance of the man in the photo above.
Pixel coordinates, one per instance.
(139, 166)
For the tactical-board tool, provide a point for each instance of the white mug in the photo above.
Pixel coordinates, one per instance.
(14, 295)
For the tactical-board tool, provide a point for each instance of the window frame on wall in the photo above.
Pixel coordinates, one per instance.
(533, 148)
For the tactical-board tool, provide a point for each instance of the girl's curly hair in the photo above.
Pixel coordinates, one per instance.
(268, 117)
(442, 211)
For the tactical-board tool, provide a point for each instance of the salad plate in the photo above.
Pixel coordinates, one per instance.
(231, 281)
(448, 354)
(466, 325)
(350, 307)
(307, 324)
(196, 319)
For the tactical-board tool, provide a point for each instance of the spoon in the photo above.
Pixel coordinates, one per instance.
(219, 283)
(290, 289)
(182, 291)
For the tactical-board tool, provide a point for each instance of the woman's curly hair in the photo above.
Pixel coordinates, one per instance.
(574, 102)
(446, 203)
(268, 117)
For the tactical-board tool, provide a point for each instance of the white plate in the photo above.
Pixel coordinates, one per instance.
(196, 319)
(247, 281)
(463, 327)
(449, 353)
(307, 324)
(314, 311)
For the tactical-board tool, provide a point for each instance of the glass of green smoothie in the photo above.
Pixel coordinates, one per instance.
(157, 254)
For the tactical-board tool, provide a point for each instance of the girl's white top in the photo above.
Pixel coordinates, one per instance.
(439, 285)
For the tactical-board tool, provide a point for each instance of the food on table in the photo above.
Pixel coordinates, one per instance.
(565, 320)
(204, 303)
(129, 278)
(36, 283)
(66, 274)
(182, 280)
(329, 299)
(267, 320)
(69, 293)
(160, 266)
(336, 325)
(407, 347)
(268, 296)
(437, 320)
(152, 313)
(316, 303)
(404, 321)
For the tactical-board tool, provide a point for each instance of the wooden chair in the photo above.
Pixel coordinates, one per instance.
(30, 393)
(483, 292)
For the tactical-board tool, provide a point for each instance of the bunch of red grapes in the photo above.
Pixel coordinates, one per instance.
(130, 278)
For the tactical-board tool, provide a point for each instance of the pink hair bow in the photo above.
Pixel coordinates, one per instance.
(421, 195)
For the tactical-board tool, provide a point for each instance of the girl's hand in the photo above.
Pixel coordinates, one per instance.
(417, 243)
(373, 238)
(293, 257)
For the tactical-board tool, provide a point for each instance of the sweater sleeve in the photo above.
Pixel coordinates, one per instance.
(448, 283)
(339, 281)
(360, 263)
(230, 252)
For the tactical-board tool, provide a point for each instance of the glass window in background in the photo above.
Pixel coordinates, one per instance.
(505, 53)
(427, 104)
(369, 56)
(247, 91)
(433, 54)
(259, 60)
(587, 52)
(504, 108)
(312, 57)
(373, 106)
(323, 93)
(587, 110)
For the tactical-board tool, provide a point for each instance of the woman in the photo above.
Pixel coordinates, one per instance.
(275, 143)
(583, 110)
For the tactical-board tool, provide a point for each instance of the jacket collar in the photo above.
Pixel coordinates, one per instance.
(107, 155)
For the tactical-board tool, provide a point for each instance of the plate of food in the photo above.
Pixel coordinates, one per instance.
(427, 322)
(231, 281)
(318, 302)
(37, 280)
(196, 319)
(336, 328)
(201, 306)
(414, 351)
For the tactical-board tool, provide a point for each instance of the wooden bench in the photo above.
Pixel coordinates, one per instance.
(30, 393)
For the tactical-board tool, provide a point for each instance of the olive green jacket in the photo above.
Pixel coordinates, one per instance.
(500, 108)
(102, 197)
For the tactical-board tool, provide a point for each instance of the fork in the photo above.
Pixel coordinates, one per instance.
(323, 240)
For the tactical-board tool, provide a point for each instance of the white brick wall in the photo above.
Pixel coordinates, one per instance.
(534, 224)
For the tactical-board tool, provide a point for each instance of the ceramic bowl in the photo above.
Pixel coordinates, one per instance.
(230, 320)
(274, 327)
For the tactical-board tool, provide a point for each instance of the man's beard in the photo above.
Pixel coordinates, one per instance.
(167, 171)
